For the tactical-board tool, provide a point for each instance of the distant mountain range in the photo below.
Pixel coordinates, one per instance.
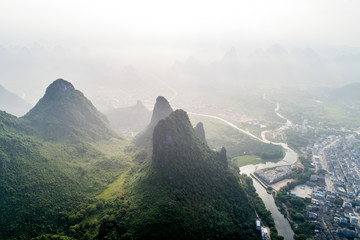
(161, 110)
(129, 120)
(349, 92)
(12, 103)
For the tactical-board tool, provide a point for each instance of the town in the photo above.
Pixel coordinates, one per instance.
(332, 191)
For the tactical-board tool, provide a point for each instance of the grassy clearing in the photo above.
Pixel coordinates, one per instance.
(245, 160)
(219, 134)
(114, 189)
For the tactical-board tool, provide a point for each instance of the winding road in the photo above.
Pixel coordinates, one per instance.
(281, 223)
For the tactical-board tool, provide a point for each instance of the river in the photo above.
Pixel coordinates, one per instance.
(281, 223)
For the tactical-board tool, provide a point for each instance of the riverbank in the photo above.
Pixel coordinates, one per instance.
(281, 223)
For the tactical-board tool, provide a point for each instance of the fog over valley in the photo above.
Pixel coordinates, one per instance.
(176, 120)
(119, 53)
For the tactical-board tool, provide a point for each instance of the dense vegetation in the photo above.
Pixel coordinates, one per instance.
(237, 144)
(295, 208)
(63, 113)
(186, 191)
(66, 175)
(46, 186)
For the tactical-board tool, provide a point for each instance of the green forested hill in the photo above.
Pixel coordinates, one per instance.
(47, 186)
(64, 112)
(184, 192)
(64, 174)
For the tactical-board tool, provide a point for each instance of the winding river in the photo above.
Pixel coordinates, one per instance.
(281, 223)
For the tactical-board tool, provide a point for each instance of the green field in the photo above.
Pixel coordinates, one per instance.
(219, 134)
(245, 160)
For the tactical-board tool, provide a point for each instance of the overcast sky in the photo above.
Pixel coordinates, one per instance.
(99, 23)
(102, 38)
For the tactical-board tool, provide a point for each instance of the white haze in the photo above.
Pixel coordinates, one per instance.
(119, 51)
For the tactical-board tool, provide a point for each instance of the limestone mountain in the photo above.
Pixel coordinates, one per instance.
(64, 112)
(347, 94)
(200, 132)
(161, 110)
(46, 186)
(12, 103)
(129, 119)
(185, 192)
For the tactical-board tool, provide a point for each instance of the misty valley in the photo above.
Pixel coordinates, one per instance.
(69, 171)
(179, 120)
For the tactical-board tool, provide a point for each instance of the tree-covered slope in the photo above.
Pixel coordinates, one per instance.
(48, 186)
(64, 112)
(185, 192)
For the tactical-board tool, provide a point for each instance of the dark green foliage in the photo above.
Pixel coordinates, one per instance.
(257, 203)
(39, 193)
(52, 237)
(184, 193)
(48, 189)
(296, 207)
(47, 186)
(250, 147)
(296, 140)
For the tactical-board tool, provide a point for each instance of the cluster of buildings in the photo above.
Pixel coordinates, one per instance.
(331, 220)
(335, 206)
(274, 175)
(343, 165)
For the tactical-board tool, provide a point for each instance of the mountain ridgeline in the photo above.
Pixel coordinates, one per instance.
(129, 119)
(186, 191)
(175, 138)
(161, 110)
(46, 186)
(64, 112)
(65, 174)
